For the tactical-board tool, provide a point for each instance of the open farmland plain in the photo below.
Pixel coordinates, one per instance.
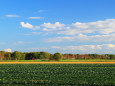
(56, 62)
(57, 74)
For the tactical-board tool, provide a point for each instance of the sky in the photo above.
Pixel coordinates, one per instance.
(66, 26)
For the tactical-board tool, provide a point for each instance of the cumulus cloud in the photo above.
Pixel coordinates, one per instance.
(8, 50)
(98, 31)
(36, 17)
(52, 27)
(28, 25)
(12, 16)
(100, 27)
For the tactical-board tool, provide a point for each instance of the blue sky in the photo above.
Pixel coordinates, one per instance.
(66, 26)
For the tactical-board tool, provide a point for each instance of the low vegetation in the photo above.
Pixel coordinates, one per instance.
(57, 74)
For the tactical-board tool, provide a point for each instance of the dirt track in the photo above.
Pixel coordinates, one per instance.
(57, 62)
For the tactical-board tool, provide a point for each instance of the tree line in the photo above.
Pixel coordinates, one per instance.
(16, 55)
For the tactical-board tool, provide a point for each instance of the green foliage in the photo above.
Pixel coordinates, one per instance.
(44, 55)
(36, 55)
(57, 56)
(112, 56)
(16, 55)
(8, 56)
(22, 56)
(57, 74)
(94, 56)
(2, 55)
(32, 55)
(29, 56)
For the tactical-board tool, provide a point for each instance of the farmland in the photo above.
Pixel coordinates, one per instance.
(57, 74)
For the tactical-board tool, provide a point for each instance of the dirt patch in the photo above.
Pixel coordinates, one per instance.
(57, 62)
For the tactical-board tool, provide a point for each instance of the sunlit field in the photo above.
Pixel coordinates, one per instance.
(57, 74)
(63, 60)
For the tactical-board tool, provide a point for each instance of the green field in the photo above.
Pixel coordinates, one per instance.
(88, 60)
(57, 74)
(63, 60)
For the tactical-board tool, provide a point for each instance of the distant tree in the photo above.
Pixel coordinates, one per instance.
(29, 56)
(44, 55)
(16, 55)
(36, 55)
(2, 55)
(57, 56)
(112, 56)
(94, 56)
(22, 56)
(8, 56)
(107, 56)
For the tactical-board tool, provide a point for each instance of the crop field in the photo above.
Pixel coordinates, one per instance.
(57, 62)
(63, 60)
(57, 74)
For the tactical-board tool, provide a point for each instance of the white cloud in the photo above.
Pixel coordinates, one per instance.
(84, 38)
(111, 45)
(87, 49)
(98, 27)
(80, 25)
(12, 16)
(99, 47)
(80, 49)
(99, 31)
(103, 27)
(52, 27)
(8, 50)
(28, 25)
(36, 17)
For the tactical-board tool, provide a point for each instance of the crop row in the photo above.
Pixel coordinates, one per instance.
(57, 74)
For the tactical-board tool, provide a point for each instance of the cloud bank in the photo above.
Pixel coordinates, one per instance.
(81, 49)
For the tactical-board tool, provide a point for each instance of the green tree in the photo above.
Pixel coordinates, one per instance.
(57, 56)
(16, 55)
(36, 55)
(94, 56)
(2, 55)
(22, 56)
(8, 56)
(29, 56)
(44, 55)
(112, 56)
